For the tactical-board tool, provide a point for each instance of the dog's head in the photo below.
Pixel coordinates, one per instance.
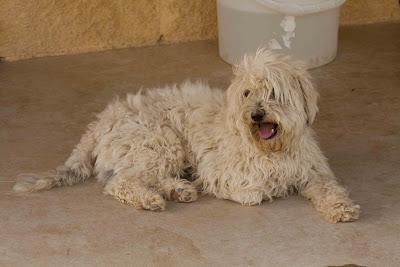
(271, 100)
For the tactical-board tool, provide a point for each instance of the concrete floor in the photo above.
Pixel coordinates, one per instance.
(45, 104)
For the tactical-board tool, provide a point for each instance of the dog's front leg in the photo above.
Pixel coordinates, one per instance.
(328, 196)
(248, 197)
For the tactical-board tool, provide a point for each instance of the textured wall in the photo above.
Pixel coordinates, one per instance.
(34, 28)
(188, 20)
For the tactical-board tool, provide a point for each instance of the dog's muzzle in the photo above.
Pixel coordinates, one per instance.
(266, 130)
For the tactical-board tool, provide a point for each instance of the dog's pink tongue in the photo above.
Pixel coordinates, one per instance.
(266, 130)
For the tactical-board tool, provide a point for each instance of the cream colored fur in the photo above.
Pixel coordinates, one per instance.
(140, 147)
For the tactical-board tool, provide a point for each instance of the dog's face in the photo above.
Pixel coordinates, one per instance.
(271, 101)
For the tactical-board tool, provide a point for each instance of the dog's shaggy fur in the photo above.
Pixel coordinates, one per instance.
(250, 144)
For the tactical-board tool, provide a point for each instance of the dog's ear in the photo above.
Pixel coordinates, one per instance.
(310, 96)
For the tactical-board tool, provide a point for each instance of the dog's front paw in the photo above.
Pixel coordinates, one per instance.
(343, 212)
(184, 193)
(248, 197)
(154, 203)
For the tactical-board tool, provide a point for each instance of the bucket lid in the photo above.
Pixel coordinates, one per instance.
(300, 7)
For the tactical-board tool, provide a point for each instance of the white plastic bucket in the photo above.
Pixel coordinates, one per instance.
(306, 29)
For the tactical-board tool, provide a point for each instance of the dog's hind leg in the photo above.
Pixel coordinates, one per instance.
(81, 160)
(129, 189)
(170, 167)
(149, 169)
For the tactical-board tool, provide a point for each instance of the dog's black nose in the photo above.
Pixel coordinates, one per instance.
(258, 116)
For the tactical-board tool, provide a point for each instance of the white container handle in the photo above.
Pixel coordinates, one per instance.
(299, 8)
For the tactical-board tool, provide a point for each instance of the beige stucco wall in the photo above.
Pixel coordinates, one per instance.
(34, 28)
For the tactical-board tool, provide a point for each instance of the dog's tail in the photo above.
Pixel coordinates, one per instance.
(76, 169)
(60, 177)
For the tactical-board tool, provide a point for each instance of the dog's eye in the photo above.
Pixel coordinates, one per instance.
(246, 93)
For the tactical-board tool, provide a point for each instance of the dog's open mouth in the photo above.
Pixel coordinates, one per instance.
(267, 130)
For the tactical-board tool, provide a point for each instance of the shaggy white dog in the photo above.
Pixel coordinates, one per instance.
(252, 143)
